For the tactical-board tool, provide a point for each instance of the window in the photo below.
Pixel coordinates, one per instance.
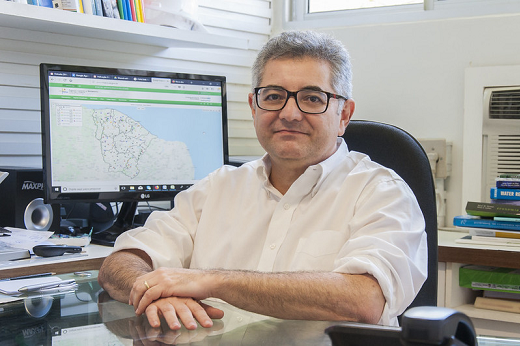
(309, 14)
(316, 6)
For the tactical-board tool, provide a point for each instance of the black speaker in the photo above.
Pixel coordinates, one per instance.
(21, 201)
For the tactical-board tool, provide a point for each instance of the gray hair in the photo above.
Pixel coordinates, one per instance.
(303, 44)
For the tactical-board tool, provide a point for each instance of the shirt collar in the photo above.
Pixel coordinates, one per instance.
(263, 170)
(320, 170)
(330, 164)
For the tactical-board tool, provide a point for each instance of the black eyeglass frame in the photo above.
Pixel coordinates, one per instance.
(295, 95)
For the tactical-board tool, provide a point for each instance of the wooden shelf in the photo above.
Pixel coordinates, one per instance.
(494, 256)
(30, 17)
(486, 314)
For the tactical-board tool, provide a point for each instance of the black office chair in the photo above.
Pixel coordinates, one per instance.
(394, 148)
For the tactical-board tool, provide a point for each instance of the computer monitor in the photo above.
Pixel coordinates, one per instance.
(124, 135)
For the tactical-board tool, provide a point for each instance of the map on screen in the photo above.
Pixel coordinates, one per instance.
(115, 132)
(116, 145)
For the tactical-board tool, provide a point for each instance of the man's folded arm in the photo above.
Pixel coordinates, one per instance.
(304, 295)
(288, 295)
(119, 271)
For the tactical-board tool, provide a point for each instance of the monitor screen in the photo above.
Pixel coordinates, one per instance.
(121, 135)
(129, 135)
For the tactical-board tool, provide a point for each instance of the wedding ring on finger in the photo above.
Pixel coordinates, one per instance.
(147, 286)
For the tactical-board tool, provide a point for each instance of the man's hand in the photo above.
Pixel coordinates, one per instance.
(144, 334)
(187, 310)
(169, 282)
(174, 294)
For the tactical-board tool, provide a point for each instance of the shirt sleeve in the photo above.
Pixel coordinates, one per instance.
(167, 236)
(388, 241)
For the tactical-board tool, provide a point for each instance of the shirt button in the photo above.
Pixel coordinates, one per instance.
(272, 246)
(286, 206)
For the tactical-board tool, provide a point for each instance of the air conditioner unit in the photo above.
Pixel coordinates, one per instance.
(501, 135)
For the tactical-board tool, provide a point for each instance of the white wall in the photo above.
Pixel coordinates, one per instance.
(412, 75)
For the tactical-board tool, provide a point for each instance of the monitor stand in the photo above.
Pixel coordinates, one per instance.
(124, 222)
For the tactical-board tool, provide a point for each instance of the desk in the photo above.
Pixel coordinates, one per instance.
(89, 317)
(91, 260)
(451, 256)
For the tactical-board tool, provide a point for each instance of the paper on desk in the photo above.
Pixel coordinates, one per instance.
(25, 239)
(3, 175)
(11, 287)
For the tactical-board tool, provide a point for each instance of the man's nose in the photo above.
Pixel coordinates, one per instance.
(291, 112)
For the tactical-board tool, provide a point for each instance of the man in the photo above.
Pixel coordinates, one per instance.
(310, 231)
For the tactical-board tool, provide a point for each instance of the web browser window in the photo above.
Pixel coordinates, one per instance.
(115, 132)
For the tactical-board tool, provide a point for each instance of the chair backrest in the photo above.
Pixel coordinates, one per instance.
(395, 148)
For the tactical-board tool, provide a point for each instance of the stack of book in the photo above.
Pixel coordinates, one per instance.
(499, 287)
(132, 10)
(497, 222)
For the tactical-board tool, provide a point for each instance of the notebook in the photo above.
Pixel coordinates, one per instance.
(11, 287)
(9, 253)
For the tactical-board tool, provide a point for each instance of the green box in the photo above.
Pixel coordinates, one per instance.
(490, 278)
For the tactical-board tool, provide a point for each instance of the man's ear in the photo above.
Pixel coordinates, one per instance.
(251, 101)
(346, 114)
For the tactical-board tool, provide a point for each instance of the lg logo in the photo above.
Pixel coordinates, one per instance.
(145, 196)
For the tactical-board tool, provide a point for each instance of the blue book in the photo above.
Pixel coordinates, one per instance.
(94, 8)
(476, 221)
(128, 10)
(496, 193)
(99, 8)
(44, 3)
(124, 5)
(508, 183)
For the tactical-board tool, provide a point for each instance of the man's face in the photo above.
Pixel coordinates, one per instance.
(289, 134)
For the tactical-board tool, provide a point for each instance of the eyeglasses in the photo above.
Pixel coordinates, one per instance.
(308, 101)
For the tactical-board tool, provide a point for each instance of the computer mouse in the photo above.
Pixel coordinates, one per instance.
(55, 250)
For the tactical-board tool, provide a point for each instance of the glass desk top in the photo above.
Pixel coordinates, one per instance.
(88, 316)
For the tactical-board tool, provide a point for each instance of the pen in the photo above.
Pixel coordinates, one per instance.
(51, 291)
(49, 285)
(28, 276)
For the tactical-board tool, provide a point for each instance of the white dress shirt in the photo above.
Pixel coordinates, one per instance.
(346, 214)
